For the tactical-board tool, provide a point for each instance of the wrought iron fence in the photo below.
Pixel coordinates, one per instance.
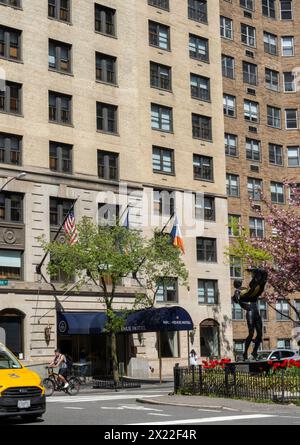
(229, 382)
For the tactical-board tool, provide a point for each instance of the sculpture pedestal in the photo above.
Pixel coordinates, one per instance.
(249, 367)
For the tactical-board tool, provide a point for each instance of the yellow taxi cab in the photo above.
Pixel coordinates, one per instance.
(21, 390)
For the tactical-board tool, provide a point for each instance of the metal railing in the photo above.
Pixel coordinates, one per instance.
(230, 383)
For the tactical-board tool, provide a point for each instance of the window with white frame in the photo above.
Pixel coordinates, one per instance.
(255, 187)
(257, 227)
(293, 156)
(250, 73)
(272, 79)
(270, 43)
(231, 144)
(277, 192)
(234, 224)
(274, 117)
(268, 8)
(226, 27)
(287, 46)
(236, 269)
(233, 185)
(229, 104)
(228, 68)
(291, 119)
(253, 149)
(275, 154)
(289, 82)
(248, 35)
(283, 310)
(251, 111)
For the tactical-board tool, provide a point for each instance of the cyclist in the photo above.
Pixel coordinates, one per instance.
(60, 362)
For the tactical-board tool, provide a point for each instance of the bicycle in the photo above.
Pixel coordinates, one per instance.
(52, 383)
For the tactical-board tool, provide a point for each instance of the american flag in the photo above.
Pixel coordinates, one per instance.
(71, 229)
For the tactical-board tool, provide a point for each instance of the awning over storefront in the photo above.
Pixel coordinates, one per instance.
(81, 323)
(162, 319)
(165, 319)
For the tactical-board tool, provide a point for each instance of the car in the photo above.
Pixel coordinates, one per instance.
(278, 355)
(21, 390)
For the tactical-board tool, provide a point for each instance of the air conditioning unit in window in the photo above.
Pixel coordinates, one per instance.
(251, 91)
(248, 14)
(253, 130)
(250, 54)
(257, 208)
(254, 168)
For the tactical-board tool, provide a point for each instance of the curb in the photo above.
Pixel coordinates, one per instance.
(184, 405)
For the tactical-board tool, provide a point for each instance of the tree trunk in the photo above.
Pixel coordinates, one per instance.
(114, 357)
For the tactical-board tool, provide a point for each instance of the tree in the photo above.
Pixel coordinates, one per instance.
(278, 251)
(104, 255)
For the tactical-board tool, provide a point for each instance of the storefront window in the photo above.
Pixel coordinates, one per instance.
(169, 344)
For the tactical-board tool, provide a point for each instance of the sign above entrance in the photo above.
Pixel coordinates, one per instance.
(3, 282)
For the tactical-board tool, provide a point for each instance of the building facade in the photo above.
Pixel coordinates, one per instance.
(260, 62)
(94, 95)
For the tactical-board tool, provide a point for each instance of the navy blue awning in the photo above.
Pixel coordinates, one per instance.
(166, 319)
(81, 323)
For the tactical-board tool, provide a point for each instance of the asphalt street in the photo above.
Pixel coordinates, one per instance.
(121, 408)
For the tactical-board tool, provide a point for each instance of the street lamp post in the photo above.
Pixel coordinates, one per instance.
(19, 176)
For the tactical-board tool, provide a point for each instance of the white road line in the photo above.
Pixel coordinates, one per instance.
(103, 398)
(140, 408)
(208, 420)
(73, 408)
(209, 410)
(157, 414)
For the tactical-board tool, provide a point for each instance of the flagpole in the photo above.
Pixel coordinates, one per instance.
(39, 266)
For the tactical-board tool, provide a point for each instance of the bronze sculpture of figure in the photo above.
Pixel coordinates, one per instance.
(248, 298)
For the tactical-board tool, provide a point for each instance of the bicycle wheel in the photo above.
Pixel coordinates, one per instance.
(49, 386)
(74, 386)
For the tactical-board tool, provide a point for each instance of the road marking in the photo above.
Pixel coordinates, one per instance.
(72, 407)
(103, 398)
(208, 420)
(209, 411)
(130, 407)
(157, 414)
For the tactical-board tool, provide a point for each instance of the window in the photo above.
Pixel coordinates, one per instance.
(275, 154)
(236, 268)
(290, 82)
(284, 343)
(291, 119)
(208, 292)
(263, 309)
(287, 45)
(108, 165)
(229, 105)
(197, 10)
(255, 187)
(10, 43)
(234, 224)
(198, 48)
(272, 79)
(162, 4)
(247, 4)
(160, 76)
(201, 127)
(237, 315)
(250, 73)
(14, 3)
(167, 291)
(162, 118)
(228, 66)
(207, 250)
(59, 208)
(60, 108)
(274, 117)
(203, 168)
(286, 9)
(159, 35)
(59, 56)
(257, 227)
(10, 98)
(226, 27)
(283, 309)
(60, 157)
(106, 68)
(233, 185)
(107, 118)
(163, 202)
(59, 10)
(209, 339)
(105, 19)
(11, 207)
(277, 193)
(251, 111)
(293, 157)
(11, 264)
(270, 43)
(200, 87)
(108, 214)
(231, 148)
(205, 208)
(169, 344)
(163, 160)
(253, 150)
(248, 35)
(268, 8)
(10, 149)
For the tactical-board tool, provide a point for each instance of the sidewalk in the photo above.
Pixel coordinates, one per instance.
(214, 403)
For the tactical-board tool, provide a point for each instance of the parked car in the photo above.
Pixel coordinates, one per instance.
(278, 354)
(21, 390)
